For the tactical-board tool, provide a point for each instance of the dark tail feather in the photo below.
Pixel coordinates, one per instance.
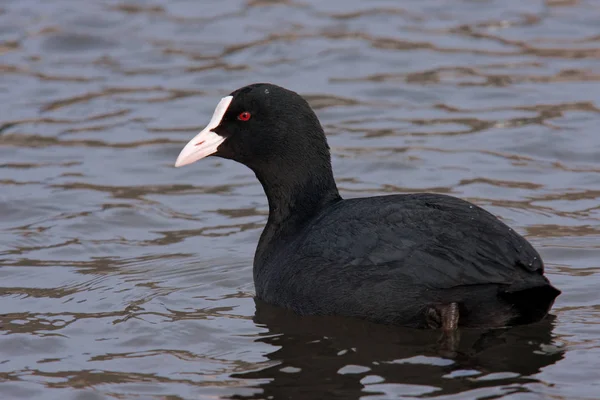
(531, 304)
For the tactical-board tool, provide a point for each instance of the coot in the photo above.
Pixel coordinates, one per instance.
(420, 260)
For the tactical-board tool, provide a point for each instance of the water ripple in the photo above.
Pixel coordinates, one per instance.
(125, 277)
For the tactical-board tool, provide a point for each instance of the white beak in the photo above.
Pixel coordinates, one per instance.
(206, 142)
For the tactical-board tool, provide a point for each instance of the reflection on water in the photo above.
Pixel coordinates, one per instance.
(332, 358)
(123, 277)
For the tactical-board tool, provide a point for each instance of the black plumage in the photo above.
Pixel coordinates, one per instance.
(389, 259)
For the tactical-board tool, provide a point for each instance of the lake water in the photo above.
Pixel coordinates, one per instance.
(122, 277)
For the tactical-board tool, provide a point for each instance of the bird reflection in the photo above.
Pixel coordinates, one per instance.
(340, 358)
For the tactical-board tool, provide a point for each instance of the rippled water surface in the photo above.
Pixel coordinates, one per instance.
(124, 277)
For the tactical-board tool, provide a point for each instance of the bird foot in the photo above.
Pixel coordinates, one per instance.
(445, 317)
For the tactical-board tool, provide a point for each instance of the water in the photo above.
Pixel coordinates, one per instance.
(123, 277)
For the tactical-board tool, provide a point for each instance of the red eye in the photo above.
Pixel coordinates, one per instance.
(245, 116)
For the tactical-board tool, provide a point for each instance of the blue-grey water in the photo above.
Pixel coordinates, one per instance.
(122, 277)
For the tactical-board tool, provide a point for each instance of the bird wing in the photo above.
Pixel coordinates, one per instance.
(436, 240)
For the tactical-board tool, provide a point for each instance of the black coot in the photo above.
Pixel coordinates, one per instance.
(420, 260)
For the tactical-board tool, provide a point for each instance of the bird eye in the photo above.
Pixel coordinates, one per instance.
(245, 116)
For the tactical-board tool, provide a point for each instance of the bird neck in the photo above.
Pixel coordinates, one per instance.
(296, 193)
